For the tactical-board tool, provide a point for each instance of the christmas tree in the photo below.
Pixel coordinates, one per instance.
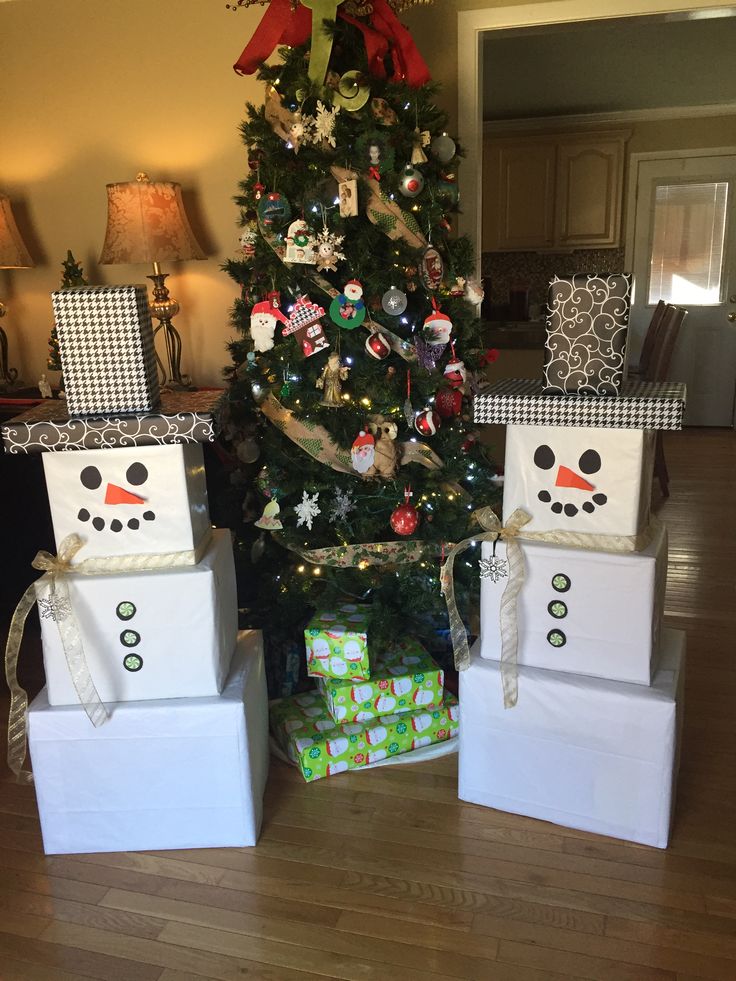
(72, 275)
(349, 414)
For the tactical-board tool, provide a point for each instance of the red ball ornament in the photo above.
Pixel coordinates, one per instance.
(448, 402)
(427, 422)
(378, 346)
(404, 518)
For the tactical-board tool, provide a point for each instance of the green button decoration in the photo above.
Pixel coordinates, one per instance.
(132, 662)
(560, 582)
(125, 610)
(556, 638)
(557, 609)
(130, 638)
(314, 752)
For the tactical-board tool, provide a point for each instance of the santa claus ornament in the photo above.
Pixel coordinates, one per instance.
(263, 319)
(347, 310)
(437, 328)
(456, 373)
(404, 518)
(363, 452)
(378, 346)
(427, 422)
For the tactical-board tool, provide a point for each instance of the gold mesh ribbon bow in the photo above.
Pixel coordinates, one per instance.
(55, 569)
(492, 530)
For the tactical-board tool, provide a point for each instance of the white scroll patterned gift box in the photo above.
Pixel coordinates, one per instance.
(182, 417)
(595, 481)
(587, 328)
(159, 634)
(582, 752)
(585, 612)
(173, 773)
(106, 347)
(137, 501)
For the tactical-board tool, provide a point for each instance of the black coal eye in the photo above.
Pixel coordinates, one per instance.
(590, 462)
(136, 474)
(90, 478)
(544, 457)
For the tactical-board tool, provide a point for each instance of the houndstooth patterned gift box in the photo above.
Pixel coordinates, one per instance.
(106, 346)
(641, 405)
(587, 327)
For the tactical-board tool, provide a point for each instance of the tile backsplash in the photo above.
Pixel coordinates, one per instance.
(532, 271)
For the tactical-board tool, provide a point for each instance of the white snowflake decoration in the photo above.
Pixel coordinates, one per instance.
(494, 568)
(342, 505)
(308, 510)
(328, 250)
(54, 608)
(324, 124)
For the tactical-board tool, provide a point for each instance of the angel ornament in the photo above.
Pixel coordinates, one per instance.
(329, 381)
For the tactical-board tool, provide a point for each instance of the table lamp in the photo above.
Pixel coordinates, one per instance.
(13, 255)
(146, 222)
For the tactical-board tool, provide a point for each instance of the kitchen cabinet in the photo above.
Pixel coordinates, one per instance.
(553, 192)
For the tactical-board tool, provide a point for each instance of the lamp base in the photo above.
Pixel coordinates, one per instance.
(8, 376)
(163, 308)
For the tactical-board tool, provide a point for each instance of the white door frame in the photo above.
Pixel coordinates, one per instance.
(471, 26)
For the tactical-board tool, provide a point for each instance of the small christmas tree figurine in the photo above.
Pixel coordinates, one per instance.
(348, 245)
(73, 275)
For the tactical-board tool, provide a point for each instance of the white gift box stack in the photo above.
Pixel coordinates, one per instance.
(592, 740)
(181, 759)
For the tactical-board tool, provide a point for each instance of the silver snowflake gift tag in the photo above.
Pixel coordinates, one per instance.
(494, 568)
(52, 607)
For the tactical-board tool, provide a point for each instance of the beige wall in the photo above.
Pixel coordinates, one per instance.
(94, 92)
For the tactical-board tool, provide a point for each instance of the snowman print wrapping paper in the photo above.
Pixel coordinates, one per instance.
(579, 479)
(129, 501)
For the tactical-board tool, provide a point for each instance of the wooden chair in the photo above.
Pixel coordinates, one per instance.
(658, 366)
(650, 340)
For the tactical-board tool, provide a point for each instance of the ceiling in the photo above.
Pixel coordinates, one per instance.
(610, 66)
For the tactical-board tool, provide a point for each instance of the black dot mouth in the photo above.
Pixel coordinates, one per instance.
(570, 510)
(116, 525)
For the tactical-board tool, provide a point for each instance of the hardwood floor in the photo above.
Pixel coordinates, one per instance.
(385, 875)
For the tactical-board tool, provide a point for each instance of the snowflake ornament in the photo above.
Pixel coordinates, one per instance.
(324, 124)
(307, 510)
(328, 250)
(494, 568)
(342, 505)
(54, 608)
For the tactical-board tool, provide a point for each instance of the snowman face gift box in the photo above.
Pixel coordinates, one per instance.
(311, 738)
(579, 479)
(337, 643)
(404, 679)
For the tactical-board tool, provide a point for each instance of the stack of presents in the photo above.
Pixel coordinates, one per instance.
(369, 706)
(591, 681)
(152, 730)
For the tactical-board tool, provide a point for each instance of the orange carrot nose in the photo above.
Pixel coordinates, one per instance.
(119, 495)
(568, 478)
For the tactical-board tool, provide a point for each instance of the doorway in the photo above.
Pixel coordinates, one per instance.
(682, 248)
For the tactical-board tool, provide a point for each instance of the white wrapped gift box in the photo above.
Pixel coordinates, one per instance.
(176, 773)
(579, 479)
(594, 613)
(582, 752)
(164, 634)
(129, 501)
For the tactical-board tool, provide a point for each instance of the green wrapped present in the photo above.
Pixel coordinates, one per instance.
(403, 679)
(306, 732)
(337, 643)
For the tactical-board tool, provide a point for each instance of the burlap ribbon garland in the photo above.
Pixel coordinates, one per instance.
(371, 553)
(511, 533)
(56, 570)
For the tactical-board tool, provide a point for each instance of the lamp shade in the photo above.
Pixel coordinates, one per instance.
(146, 222)
(13, 253)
